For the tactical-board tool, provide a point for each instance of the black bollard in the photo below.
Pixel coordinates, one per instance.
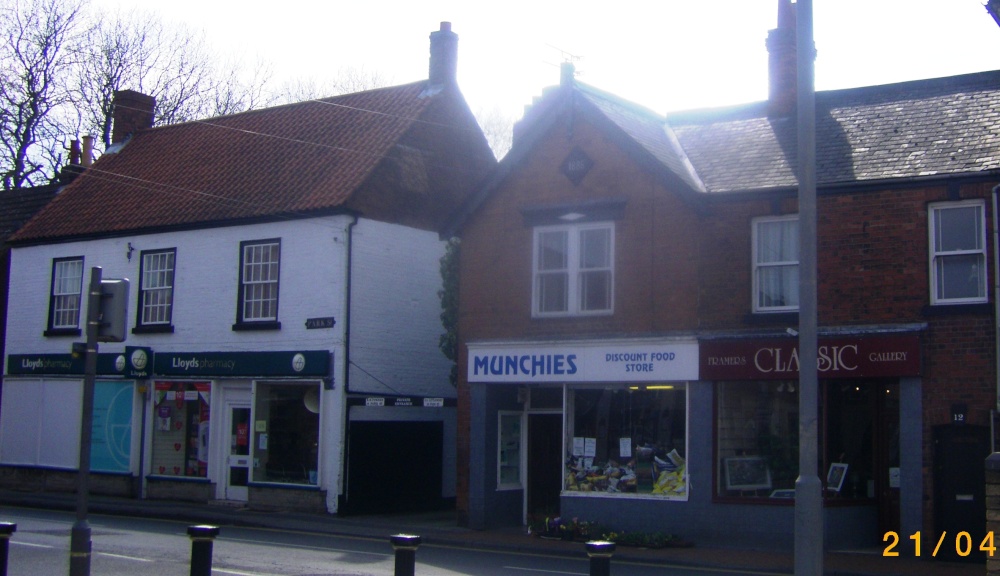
(6, 529)
(405, 546)
(201, 549)
(600, 557)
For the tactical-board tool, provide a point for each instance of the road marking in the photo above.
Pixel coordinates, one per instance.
(122, 557)
(306, 547)
(29, 544)
(543, 571)
(238, 573)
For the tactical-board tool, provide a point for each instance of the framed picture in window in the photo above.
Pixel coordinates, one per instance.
(835, 477)
(747, 473)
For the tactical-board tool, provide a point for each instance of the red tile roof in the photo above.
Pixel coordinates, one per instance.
(297, 159)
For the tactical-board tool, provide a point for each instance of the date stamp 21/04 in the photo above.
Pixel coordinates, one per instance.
(962, 541)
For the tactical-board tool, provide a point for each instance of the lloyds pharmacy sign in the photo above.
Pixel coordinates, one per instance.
(601, 361)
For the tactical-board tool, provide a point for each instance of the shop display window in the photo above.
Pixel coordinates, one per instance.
(628, 440)
(757, 438)
(286, 433)
(509, 465)
(181, 413)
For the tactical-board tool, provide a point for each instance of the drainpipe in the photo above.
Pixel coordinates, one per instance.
(347, 302)
(996, 291)
(344, 455)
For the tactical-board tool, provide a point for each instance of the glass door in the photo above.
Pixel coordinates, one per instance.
(238, 460)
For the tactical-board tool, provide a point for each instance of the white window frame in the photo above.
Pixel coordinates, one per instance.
(250, 282)
(157, 281)
(758, 266)
(66, 294)
(574, 271)
(937, 257)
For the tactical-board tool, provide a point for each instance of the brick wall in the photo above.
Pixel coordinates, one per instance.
(685, 265)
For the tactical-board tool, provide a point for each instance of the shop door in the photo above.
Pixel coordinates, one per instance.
(238, 459)
(544, 464)
(960, 489)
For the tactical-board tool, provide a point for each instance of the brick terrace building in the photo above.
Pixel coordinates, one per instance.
(629, 301)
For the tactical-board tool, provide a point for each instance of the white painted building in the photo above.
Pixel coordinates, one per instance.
(283, 309)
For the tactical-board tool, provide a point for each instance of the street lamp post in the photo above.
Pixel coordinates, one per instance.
(808, 488)
(79, 548)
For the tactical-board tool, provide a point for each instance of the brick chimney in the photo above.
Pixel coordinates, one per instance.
(132, 111)
(782, 65)
(444, 56)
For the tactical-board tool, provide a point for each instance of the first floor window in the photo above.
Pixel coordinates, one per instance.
(958, 252)
(776, 264)
(286, 433)
(259, 271)
(628, 440)
(156, 287)
(181, 413)
(573, 269)
(67, 282)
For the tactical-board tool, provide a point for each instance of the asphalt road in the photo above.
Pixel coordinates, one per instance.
(128, 546)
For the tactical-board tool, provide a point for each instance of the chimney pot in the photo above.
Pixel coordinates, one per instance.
(88, 151)
(74, 152)
(444, 56)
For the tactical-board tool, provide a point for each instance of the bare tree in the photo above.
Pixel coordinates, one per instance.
(35, 57)
(137, 51)
(348, 80)
(498, 129)
(235, 91)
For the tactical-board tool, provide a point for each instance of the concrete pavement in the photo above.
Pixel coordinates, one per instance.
(440, 528)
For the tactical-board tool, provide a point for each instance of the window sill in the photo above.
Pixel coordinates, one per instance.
(572, 315)
(768, 318)
(62, 332)
(957, 309)
(154, 329)
(251, 326)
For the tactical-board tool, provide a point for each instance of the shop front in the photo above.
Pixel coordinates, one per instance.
(241, 427)
(572, 425)
(41, 416)
(696, 439)
(870, 427)
(194, 426)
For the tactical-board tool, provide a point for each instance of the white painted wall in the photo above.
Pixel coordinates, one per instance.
(205, 294)
(395, 323)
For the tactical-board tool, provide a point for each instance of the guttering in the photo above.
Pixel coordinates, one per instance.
(996, 293)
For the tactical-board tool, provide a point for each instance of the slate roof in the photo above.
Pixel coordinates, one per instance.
(647, 129)
(923, 128)
(17, 206)
(287, 161)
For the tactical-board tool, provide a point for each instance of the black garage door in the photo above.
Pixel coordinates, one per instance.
(394, 467)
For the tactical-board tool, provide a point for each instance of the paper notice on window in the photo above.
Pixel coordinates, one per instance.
(577, 446)
(590, 447)
(625, 447)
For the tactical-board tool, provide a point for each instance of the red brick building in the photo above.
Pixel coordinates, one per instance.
(629, 300)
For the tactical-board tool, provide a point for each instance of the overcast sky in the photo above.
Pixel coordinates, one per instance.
(666, 55)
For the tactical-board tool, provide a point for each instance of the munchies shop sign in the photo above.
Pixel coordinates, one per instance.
(645, 361)
(842, 357)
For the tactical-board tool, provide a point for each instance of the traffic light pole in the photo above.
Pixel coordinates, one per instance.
(79, 547)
